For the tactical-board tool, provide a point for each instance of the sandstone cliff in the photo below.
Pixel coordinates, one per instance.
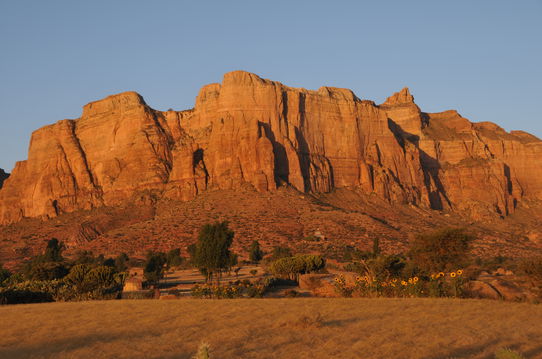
(248, 130)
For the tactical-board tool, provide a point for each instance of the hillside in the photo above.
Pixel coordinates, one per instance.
(279, 163)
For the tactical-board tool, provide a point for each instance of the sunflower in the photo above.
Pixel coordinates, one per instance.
(459, 271)
(452, 274)
(441, 274)
(415, 279)
(403, 282)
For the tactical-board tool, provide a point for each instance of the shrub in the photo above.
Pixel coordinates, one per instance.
(506, 353)
(440, 250)
(255, 253)
(532, 269)
(154, 267)
(292, 267)
(173, 258)
(280, 252)
(204, 351)
(212, 252)
(45, 271)
(4, 274)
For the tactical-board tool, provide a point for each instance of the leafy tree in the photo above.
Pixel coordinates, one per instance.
(376, 247)
(212, 252)
(46, 271)
(49, 265)
(121, 262)
(280, 252)
(154, 267)
(174, 258)
(233, 261)
(4, 274)
(255, 253)
(440, 250)
(53, 251)
(292, 267)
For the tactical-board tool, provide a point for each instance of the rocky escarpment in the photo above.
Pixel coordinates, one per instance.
(3, 177)
(248, 130)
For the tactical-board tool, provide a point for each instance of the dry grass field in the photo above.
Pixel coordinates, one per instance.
(271, 328)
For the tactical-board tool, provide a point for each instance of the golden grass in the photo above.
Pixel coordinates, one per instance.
(271, 328)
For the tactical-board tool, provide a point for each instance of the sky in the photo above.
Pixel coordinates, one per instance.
(482, 58)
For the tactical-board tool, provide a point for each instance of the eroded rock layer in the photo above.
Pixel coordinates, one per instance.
(248, 130)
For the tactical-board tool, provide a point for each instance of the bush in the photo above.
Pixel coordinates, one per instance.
(41, 271)
(444, 249)
(280, 252)
(154, 267)
(292, 267)
(506, 353)
(173, 258)
(4, 274)
(212, 252)
(255, 254)
(532, 269)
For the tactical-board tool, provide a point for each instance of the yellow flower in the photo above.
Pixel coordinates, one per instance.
(403, 282)
(459, 272)
(410, 280)
(415, 279)
(441, 274)
(395, 280)
(452, 274)
(432, 276)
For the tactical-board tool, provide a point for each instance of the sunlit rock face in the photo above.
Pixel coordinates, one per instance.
(251, 131)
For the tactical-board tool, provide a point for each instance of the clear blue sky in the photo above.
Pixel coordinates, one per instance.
(483, 58)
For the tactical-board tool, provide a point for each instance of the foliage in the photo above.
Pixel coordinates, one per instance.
(204, 351)
(38, 270)
(280, 252)
(173, 258)
(4, 274)
(255, 253)
(532, 269)
(53, 251)
(86, 282)
(154, 267)
(121, 262)
(436, 285)
(292, 267)
(506, 353)
(237, 289)
(446, 248)
(212, 252)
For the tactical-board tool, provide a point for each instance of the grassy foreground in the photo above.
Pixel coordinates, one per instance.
(271, 328)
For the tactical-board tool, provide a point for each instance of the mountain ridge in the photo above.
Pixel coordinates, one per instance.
(249, 130)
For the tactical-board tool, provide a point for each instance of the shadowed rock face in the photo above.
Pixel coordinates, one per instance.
(3, 176)
(248, 130)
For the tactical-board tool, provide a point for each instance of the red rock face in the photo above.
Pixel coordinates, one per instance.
(248, 130)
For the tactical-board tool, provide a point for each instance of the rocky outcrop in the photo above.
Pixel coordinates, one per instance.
(251, 131)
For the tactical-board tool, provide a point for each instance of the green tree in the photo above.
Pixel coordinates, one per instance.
(212, 252)
(121, 262)
(280, 252)
(174, 258)
(53, 251)
(292, 267)
(444, 249)
(4, 274)
(154, 267)
(255, 253)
